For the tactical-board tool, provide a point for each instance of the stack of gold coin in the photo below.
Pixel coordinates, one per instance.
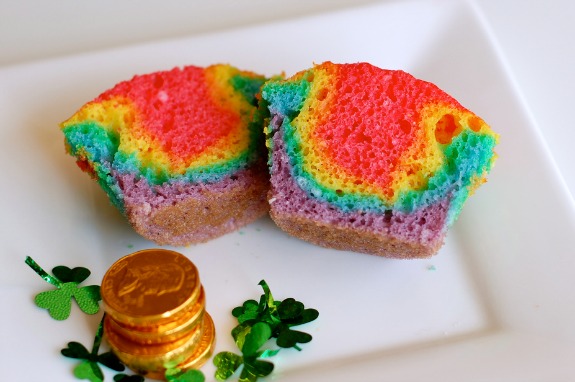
(155, 313)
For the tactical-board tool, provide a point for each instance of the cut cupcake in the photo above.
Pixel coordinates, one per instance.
(180, 153)
(371, 160)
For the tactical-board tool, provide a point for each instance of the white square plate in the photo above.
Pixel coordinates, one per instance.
(497, 302)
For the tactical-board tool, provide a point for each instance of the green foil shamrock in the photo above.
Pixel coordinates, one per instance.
(249, 340)
(58, 302)
(89, 368)
(257, 323)
(177, 375)
(128, 378)
(281, 316)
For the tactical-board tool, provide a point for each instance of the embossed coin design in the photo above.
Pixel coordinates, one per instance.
(155, 312)
(149, 286)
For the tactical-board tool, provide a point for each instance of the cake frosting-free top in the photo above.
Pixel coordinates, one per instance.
(188, 123)
(173, 138)
(370, 142)
(366, 138)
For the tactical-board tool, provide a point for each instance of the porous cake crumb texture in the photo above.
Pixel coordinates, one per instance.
(159, 140)
(373, 151)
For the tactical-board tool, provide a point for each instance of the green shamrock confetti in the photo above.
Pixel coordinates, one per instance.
(89, 368)
(281, 316)
(257, 323)
(66, 280)
(249, 340)
(177, 375)
(128, 378)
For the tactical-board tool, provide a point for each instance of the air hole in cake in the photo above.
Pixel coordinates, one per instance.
(292, 114)
(128, 118)
(321, 94)
(168, 125)
(158, 81)
(363, 138)
(404, 126)
(475, 123)
(446, 128)
(451, 167)
(390, 94)
(387, 215)
(276, 120)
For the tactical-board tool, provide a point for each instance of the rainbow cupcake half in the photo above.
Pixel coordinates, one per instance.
(371, 160)
(180, 153)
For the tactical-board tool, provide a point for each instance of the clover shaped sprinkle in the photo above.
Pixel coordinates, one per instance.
(89, 368)
(128, 378)
(66, 280)
(175, 374)
(249, 340)
(281, 316)
(257, 323)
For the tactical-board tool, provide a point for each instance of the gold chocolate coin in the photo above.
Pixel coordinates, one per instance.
(202, 353)
(205, 347)
(151, 358)
(149, 286)
(164, 332)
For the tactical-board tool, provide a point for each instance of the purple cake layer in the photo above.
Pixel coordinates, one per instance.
(424, 227)
(180, 206)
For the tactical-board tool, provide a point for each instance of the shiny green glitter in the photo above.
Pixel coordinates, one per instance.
(66, 280)
(257, 323)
